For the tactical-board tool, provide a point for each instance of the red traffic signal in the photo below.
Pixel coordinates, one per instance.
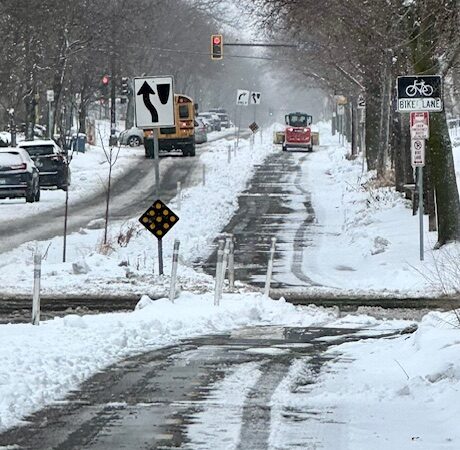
(105, 80)
(217, 46)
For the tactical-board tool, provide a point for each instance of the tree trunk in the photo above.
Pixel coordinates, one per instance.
(372, 130)
(441, 161)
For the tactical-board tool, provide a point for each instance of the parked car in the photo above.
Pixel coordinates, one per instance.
(201, 134)
(224, 120)
(51, 161)
(213, 118)
(208, 123)
(5, 138)
(19, 176)
(132, 137)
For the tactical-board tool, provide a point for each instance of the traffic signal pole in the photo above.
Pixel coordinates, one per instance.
(113, 121)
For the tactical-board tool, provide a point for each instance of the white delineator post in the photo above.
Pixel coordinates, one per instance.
(220, 256)
(179, 195)
(224, 266)
(36, 288)
(175, 261)
(271, 259)
(231, 265)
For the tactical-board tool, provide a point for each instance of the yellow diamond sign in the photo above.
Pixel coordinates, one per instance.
(158, 219)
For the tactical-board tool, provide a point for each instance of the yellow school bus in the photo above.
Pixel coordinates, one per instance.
(178, 138)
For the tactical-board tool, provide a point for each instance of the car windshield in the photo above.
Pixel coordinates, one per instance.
(298, 120)
(39, 150)
(8, 159)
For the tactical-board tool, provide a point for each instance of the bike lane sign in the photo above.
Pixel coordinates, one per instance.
(419, 93)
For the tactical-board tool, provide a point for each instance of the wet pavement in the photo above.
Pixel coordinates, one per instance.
(274, 205)
(169, 398)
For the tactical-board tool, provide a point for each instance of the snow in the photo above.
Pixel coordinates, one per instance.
(129, 269)
(89, 173)
(221, 418)
(42, 364)
(398, 392)
(379, 394)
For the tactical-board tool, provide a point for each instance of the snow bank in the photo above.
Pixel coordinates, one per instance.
(366, 240)
(42, 364)
(379, 394)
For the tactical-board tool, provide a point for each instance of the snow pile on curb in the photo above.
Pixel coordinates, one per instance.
(42, 364)
(396, 390)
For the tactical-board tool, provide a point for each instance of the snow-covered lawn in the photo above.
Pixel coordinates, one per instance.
(365, 239)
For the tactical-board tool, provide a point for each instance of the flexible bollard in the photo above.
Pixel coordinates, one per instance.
(231, 265)
(175, 261)
(220, 256)
(229, 154)
(224, 267)
(179, 195)
(268, 280)
(36, 289)
(204, 175)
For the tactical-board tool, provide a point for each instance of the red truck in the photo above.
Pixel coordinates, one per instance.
(297, 134)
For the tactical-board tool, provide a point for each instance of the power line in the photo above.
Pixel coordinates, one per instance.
(190, 52)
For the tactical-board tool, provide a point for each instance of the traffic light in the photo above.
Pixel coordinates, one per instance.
(104, 87)
(217, 47)
(124, 86)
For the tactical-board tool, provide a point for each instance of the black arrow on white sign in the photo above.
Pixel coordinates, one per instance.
(146, 91)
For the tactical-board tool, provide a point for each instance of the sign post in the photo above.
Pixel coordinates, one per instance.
(159, 219)
(50, 100)
(419, 95)
(255, 100)
(242, 99)
(418, 162)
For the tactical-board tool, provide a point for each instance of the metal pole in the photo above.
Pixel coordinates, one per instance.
(113, 121)
(12, 128)
(420, 210)
(36, 288)
(50, 124)
(172, 287)
(156, 161)
(220, 255)
(270, 268)
(231, 265)
(239, 126)
(160, 256)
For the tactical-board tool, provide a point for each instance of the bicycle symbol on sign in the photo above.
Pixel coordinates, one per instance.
(419, 87)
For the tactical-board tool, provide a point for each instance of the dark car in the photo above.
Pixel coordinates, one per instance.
(51, 161)
(19, 177)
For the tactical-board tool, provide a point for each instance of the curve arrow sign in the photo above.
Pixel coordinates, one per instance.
(146, 91)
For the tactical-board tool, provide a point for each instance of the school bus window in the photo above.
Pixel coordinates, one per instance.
(183, 111)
